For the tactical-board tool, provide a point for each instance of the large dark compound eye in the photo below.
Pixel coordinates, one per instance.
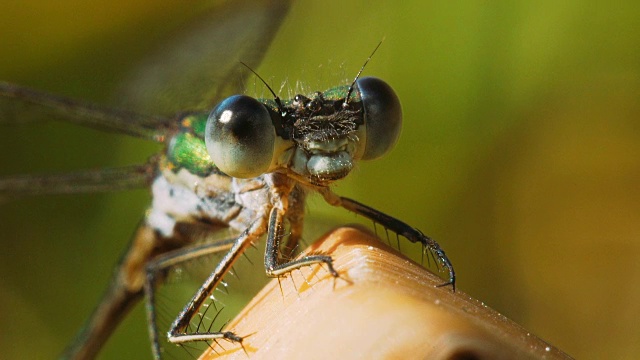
(240, 137)
(383, 116)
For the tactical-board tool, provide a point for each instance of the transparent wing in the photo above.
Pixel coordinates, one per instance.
(87, 181)
(201, 63)
(195, 68)
(19, 104)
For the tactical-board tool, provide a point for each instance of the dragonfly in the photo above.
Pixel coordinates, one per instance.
(245, 164)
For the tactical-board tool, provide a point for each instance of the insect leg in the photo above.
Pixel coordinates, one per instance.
(271, 255)
(397, 226)
(295, 218)
(156, 270)
(178, 332)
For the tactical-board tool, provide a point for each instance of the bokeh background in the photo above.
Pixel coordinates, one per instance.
(520, 153)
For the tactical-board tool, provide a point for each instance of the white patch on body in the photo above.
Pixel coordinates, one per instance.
(170, 203)
(236, 207)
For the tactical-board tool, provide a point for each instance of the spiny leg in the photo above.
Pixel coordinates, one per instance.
(397, 226)
(156, 269)
(178, 332)
(295, 218)
(271, 255)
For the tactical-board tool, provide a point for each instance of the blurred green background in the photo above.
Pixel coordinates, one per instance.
(520, 153)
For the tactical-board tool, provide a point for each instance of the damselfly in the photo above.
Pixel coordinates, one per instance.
(247, 165)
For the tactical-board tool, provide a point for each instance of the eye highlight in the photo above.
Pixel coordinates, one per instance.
(240, 137)
(383, 116)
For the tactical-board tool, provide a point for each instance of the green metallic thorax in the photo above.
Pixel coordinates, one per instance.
(339, 93)
(187, 149)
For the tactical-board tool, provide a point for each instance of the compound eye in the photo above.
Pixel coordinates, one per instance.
(240, 137)
(382, 116)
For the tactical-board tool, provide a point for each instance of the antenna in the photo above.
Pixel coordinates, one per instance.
(346, 100)
(276, 97)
